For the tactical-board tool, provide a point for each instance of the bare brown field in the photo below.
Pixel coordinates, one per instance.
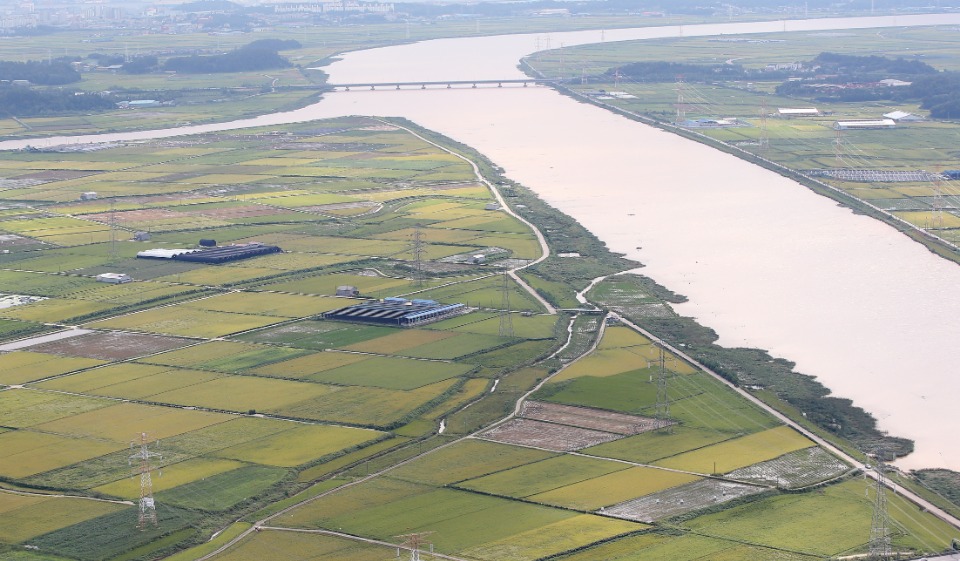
(548, 436)
(587, 418)
(111, 345)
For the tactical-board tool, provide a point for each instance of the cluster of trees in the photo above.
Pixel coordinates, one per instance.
(259, 55)
(53, 73)
(659, 71)
(866, 68)
(938, 92)
(26, 102)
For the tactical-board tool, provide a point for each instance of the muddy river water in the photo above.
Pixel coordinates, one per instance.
(764, 261)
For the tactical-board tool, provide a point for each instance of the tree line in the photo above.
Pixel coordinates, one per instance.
(45, 73)
(258, 55)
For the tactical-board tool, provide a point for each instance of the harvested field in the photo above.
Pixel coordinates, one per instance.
(111, 345)
(680, 500)
(587, 418)
(548, 436)
(468, 460)
(796, 469)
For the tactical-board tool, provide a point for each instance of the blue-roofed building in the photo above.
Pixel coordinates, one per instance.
(398, 312)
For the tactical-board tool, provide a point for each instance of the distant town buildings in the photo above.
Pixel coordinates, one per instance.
(340, 6)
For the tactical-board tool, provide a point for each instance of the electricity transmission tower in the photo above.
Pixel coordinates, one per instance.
(506, 320)
(663, 400)
(681, 108)
(764, 135)
(148, 510)
(936, 208)
(414, 542)
(879, 533)
(417, 256)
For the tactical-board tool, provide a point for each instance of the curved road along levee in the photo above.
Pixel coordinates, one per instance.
(764, 261)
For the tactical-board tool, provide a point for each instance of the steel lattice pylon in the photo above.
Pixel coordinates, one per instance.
(148, 509)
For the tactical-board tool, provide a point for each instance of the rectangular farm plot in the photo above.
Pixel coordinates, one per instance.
(243, 393)
(178, 320)
(460, 345)
(373, 407)
(224, 490)
(542, 476)
(236, 431)
(226, 356)
(148, 386)
(740, 452)
(392, 373)
(54, 310)
(796, 469)
(655, 445)
(327, 284)
(122, 422)
(588, 418)
(34, 516)
(681, 499)
(613, 488)
(26, 452)
(174, 475)
(19, 367)
(842, 516)
(399, 340)
(609, 362)
(468, 460)
(25, 407)
(527, 327)
(220, 275)
(318, 334)
(269, 544)
(311, 364)
(87, 382)
(706, 403)
(111, 345)
(300, 445)
(548, 436)
(545, 541)
(267, 304)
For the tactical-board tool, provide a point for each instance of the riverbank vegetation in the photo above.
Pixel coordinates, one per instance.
(889, 173)
(256, 398)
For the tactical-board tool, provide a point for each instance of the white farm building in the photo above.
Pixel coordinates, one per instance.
(865, 125)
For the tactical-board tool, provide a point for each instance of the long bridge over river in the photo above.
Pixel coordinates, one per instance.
(446, 84)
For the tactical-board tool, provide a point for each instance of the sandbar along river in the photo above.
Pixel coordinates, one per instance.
(764, 261)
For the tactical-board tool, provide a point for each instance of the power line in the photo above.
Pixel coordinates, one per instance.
(662, 416)
(148, 509)
(506, 320)
(879, 530)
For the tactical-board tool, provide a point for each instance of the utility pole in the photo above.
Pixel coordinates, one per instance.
(663, 399)
(764, 137)
(148, 509)
(417, 256)
(506, 320)
(838, 147)
(879, 533)
(414, 542)
(936, 208)
(681, 108)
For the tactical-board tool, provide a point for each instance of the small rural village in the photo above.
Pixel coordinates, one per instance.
(356, 338)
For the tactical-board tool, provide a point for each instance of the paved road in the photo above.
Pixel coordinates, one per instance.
(870, 472)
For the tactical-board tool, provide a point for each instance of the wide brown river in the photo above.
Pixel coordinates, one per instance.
(764, 261)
